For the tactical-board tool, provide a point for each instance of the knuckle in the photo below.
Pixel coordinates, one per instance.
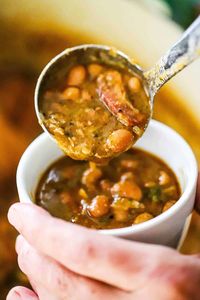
(60, 281)
(86, 251)
(88, 248)
(119, 259)
(63, 282)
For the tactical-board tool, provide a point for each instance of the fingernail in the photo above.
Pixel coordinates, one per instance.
(14, 295)
(14, 217)
(17, 295)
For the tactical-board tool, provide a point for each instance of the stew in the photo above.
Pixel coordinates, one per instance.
(132, 188)
(97, 112)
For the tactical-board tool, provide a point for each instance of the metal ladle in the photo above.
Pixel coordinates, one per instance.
(185, 51)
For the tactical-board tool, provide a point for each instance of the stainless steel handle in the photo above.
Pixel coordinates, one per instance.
(185, 51)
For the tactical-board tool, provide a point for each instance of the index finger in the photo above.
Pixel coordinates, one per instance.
(111, 260)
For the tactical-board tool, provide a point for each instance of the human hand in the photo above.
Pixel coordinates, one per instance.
(67, 261)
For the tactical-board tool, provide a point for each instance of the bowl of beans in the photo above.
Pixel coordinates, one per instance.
(144, 194)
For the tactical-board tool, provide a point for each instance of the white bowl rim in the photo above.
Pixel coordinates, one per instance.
(137, 228)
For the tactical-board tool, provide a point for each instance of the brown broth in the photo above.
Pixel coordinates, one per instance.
(132, 188)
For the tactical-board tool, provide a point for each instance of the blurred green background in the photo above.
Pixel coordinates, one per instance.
(183, 11)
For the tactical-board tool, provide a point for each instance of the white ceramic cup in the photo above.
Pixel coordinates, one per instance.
(160, 140)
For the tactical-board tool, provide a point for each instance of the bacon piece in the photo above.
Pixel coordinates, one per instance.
(113, 95)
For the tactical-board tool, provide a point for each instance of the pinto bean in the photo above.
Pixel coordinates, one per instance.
(71, 93)
(99, 206)
(76, 75)
(142, 218)
(122, 206)
(164, 178)
(126, 203)
(134, 84)
(129, 163)
(85, 95)
(94, 70)
(128, 189)
(168, 204)
(150, 184)
(65, 198)
(55, 108)
(120, 215)
(82, 193)
(105, 185)
(91, 176)
(169, 191)
(127, 176)
(120, 140)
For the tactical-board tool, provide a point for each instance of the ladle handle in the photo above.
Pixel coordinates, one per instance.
(185, 51)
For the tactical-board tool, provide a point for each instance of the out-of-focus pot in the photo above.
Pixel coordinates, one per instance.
(125, 24)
